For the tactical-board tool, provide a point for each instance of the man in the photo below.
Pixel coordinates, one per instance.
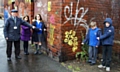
(12, 33)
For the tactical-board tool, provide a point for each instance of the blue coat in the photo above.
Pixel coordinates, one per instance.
(108, 33)
(35, 32)
(10, 32)
(87, 39)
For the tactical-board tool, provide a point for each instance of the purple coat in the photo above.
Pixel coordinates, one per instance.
(25, 33)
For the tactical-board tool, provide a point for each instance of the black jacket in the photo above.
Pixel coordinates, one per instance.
(35, 32)
(10, 32)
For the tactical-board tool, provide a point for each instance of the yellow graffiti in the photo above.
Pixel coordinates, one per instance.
(51, 39)
(9, 2)
(27, 1)
(71, 39)
(49, 6)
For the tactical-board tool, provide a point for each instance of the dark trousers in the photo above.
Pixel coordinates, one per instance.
(107, 54)
(25, 45)
(9, 48)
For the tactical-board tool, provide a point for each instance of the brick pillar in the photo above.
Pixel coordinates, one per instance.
(64, 30)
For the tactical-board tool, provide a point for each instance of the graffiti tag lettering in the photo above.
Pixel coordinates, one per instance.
(77, 21)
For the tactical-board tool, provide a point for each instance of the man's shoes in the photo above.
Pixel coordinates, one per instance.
(9, 59)
(101, 66)
(17, 57)
(107, 68)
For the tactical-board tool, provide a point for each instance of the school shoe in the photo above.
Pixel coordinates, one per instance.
(36, 52)
(26, 53)
(17, 57)
(88, 61)
(92, 64)
(107, 68)
(101, 66)
(40, 53)
(9, 59)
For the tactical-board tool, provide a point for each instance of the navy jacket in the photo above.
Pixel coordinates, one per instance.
(108, 33)
(36, 30)
(10, 32)
(87, 39)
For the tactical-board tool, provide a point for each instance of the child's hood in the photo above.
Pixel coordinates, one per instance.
(109, 20)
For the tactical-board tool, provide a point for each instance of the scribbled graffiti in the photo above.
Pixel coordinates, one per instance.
(49, 6)
(51, 39)
(27, 1)
(77, 21)
(41, 8)
(22, 10)
(52, 19)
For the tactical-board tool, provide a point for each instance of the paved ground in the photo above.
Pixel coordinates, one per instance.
(30, 63)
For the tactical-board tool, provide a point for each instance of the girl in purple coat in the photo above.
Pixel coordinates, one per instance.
(25, 35)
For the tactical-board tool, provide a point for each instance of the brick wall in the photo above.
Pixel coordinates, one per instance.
(64, 18)
(54, 27)
(24, 7)
(40, 7)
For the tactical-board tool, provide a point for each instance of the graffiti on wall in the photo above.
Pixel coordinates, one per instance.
(52, 19)
(52, 28)
(22, 9)
(77, 21)
(69, 38)
(51, 39)
(41, 8)
(49, 6)
(27, 1)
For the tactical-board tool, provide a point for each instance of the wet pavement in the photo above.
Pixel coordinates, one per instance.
(28, 63)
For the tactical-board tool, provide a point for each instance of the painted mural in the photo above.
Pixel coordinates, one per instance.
(70, 37)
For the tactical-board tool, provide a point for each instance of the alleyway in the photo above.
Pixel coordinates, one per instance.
(28, 63)
(43, 63)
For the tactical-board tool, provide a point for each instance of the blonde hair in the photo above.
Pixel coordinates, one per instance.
(92, 24)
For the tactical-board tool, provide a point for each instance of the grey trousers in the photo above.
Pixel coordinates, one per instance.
(92, 54)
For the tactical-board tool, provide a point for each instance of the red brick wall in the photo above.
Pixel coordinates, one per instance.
(24, 7)
(54, 27)
(96, 10)
(40, 7)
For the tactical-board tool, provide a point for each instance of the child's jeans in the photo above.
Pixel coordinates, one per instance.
(92, 54)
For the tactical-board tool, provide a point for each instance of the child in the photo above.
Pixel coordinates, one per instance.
(37, 35)
(25, 35)
(93, 43)
(107, 42)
